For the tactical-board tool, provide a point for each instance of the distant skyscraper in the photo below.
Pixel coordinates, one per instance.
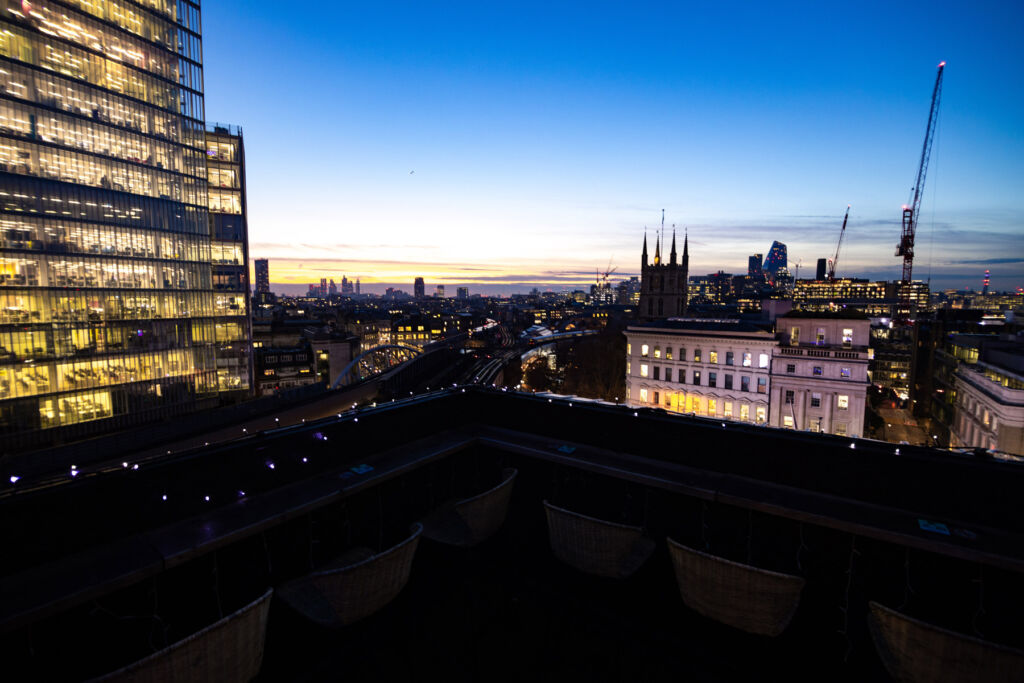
(822, 270)
(754, 267)
(262, 276)
(462, 292)
(440, 292)
(775, 261)
(358, 286)
(419, 290)
(323, 286)
(663, 289)
(332, 287)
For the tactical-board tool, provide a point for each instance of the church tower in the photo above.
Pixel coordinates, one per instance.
(663, 286)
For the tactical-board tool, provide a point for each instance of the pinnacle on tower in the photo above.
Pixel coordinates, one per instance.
(643, 258)
(657, 251)
(672, 258)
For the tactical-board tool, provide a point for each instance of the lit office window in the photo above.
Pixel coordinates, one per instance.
(644, 349)
(713, 356)
(643, 370)
(747, 359)
(842, 401)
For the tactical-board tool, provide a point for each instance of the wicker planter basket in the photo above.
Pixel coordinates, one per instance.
(228, 650)
(468, 522)
(744, 597)
(354, 586)
(595, 546)
(914, 651)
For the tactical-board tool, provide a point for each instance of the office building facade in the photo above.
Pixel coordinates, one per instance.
(718, 369)
(229, 246)
(108, 309)
(419, 289)
(262, 276)
(820, 374)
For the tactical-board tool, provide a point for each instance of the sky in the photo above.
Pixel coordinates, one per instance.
(510, 145)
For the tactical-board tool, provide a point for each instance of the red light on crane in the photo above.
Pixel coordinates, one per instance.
(942, 64)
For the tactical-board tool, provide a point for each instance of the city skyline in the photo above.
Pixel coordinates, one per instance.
(499, 147)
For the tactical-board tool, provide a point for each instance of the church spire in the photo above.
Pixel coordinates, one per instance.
(657, 251)
(672, 259)
(643, 258)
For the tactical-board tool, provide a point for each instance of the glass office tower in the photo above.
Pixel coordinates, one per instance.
(230, 252)
(108, 310)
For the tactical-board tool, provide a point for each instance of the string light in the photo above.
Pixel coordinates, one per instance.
(163, 497)
(14, 478)
(124, 465)
(270, 464)
(206, 498)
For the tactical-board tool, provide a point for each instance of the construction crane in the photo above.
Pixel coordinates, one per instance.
(910, 211)
(835, 259)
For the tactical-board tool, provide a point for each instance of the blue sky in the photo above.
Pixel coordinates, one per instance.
(510, 145)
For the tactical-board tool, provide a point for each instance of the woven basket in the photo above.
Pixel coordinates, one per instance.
(914, 651)
(744, 597)
(341, 595)
(468, 522)
(228, 650)
(595, 546)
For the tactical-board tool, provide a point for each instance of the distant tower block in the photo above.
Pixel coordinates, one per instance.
(822, 269)
(984, 289)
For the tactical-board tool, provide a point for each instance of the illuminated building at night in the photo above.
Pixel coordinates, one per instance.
(419, 290)
(262, 276)
(229, 244)
(873, 298)
(663, 292)
(820, 373)
(712, 368)
(118, 278)
(775, 261)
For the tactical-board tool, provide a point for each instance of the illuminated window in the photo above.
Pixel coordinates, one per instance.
(643, 350)
(629, 349)
(643, 369)
(817, 370)
(787, 422)
(643, 396)
(842, 401)
(844, 372)
(841, 429)
(746, 359)
(762, 360)
(713, 356)
(696, 378)
(657, 352)
(819, 337)
(794, 336)
(847, 337)
(668, 353)
(696, 355)
(761, 414)
(762, 385)
(727, 410)
(698, 406)
(744, 412)
(627, 368)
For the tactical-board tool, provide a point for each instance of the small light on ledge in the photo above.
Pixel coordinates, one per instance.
(163, 497)
(853, 445)
(14, 478)
(135, 467)
(635, 414)
(357, 419)
(305, 459)
(241, 494)
(270, 464)
(125, 465)
(206, 498)
(897, 451)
